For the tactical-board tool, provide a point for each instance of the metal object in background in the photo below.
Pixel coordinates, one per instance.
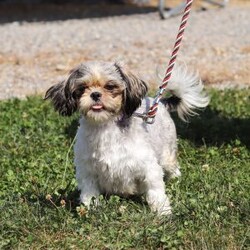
(166, 13)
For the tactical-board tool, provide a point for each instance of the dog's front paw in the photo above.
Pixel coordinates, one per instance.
(165, 210)
(159, 203)
(89, 201)
(175, 173)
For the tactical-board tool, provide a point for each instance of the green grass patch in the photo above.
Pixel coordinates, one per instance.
(38, 196)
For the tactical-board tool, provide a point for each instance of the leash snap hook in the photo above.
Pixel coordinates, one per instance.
(149, 120)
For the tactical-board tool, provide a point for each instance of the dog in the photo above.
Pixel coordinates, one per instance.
(115, 151)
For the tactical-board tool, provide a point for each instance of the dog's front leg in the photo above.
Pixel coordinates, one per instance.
(89, 189)
(155, 193)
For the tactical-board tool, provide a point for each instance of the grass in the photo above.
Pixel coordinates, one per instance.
(38, 196)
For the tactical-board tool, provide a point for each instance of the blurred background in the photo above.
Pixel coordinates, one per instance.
(41, 40)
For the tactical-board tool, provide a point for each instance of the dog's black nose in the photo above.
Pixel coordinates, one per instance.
(95, 96)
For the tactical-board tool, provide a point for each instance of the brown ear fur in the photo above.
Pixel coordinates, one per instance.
(135, 91)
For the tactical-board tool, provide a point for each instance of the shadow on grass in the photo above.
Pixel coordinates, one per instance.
(69, 199)
(70, 130)
(64, 198)
(210, 128)
(214, 129)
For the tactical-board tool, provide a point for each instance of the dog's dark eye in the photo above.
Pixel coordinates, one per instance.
(110, 86)
(79, 91)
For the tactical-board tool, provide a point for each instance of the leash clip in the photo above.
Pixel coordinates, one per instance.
(145, 117)
(149, 120)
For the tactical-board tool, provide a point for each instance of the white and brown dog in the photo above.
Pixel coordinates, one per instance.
(116, 152)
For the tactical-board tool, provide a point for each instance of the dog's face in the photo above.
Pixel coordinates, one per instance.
(101, 91)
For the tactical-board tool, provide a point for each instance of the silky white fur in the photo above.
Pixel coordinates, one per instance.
(130, 158)
(189, 88)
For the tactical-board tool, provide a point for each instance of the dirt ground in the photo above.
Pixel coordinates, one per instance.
(40, 43)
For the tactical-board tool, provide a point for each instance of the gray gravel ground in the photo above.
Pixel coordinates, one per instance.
(35, 55)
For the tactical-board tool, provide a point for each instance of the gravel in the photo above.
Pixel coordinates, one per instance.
(37, 54)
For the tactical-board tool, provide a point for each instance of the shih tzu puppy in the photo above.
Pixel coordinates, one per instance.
(116, 152)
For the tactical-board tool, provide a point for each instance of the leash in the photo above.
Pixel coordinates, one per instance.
(149, 116)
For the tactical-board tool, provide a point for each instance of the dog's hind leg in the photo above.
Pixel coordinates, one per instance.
(155, 192)
(169, 162)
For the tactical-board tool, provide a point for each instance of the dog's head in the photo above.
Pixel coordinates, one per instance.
(101, 91)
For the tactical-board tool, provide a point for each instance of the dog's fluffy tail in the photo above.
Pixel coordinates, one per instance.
(187, 93)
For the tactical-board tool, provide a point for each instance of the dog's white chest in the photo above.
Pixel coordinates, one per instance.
(114, 158)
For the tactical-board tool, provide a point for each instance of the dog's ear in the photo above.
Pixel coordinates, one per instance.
(65, 95)
(135, 91)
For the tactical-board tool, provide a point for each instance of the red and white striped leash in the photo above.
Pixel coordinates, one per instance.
(149, 116)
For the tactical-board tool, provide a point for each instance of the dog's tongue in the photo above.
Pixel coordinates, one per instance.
(97, 107)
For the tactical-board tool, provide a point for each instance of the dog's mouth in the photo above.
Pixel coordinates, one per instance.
(97, 107)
